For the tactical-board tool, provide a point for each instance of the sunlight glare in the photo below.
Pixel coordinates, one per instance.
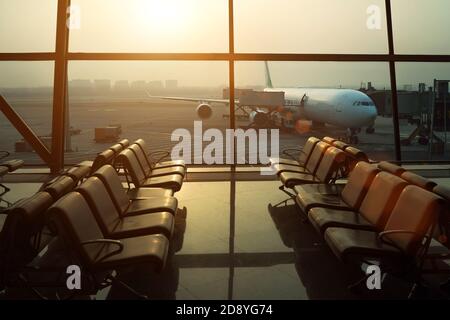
(162, 15)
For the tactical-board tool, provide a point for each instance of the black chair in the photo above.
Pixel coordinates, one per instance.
(128, 161)
(100, 256)
(129, 207)
(117, 226)
(22, 238)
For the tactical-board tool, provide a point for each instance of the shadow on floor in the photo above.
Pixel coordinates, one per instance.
(154, 285)
(322, 274)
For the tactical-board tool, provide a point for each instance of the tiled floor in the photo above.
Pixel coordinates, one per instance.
(270, 253)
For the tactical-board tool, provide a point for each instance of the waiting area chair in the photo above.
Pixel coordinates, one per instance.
(128, 161)
(113, 223)
(301, 159)
(98, 255)
(156, 162)
(155, 201)
(330, 161)
(7, 167)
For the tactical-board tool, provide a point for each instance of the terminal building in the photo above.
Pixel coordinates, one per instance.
(195, 150)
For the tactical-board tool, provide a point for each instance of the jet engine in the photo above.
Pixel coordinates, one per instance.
(204, 111)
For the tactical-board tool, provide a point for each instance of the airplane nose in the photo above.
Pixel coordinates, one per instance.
(373, 113)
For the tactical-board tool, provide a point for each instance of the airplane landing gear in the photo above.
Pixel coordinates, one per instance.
(352, 137)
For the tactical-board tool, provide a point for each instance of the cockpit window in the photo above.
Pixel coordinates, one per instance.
(363, 103)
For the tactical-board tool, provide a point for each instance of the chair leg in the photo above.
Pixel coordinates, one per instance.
(285, 201)
(356, 287)
(5, 191)
(418, 291)
(127, 287)
(290, 194)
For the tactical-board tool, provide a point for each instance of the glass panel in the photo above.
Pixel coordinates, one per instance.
(27, 25)
(423, 104)
(339, 99)
(150, 26)
(115, 94)
(421, 27)
(28, 88)
(310, 26)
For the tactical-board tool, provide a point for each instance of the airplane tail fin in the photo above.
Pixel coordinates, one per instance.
(267, 73)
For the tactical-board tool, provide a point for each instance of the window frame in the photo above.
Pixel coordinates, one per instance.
(61, 56)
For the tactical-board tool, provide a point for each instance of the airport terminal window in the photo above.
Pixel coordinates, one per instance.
(109, 100)
(424, 110)
(28, 88)
(310, 26)
(328, 110)
(27, 25)
(150, 26)
(177, 26)
(422, 28)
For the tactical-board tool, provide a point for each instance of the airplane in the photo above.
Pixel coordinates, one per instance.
(346, 108)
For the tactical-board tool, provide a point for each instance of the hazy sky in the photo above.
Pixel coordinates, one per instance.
(312, 26)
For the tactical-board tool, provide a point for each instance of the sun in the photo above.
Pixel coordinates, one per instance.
(162, 15)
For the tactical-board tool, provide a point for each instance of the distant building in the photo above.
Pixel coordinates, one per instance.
(80, 86)
(407, 87)
(80, 83)
(102, 86)
(139, 85)
(171, 84)
(121, 86)
(155, 84)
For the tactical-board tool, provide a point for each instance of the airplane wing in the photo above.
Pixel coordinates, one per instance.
(207, 100)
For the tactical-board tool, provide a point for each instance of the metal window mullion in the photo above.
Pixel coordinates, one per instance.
(59, 87)
(393, 79)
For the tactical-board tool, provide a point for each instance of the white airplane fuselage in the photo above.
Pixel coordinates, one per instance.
(345, 108)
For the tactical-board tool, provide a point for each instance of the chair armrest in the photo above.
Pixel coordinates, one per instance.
(4, 154)
(382, 235)
(288, 153)
(164, 153)
(106, 241)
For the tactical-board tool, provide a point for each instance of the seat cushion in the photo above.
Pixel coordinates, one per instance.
(166, 171)
(346, 243)
(289, 168)
(144, 193)
(151, 249)
(321, 188)
(60, 187)
(13, 165)
(86, 163)
(291, 162)
(173, 182)
(306, 201)
(150, 205)
(145, 224)
(290, 179)
(323, 218)
(78, 173)
(170, 163)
